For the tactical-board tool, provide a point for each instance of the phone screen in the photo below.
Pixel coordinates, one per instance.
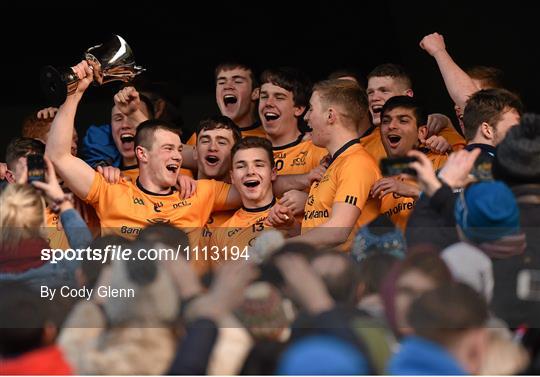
(36, 167)
(397, 165)
(482, 168)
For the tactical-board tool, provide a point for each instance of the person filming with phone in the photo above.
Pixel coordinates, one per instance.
(403, 127)
(23, 232)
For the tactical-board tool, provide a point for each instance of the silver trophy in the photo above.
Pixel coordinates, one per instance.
(111, 61)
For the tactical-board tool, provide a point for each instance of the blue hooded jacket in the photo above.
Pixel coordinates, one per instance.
(98, 147)
(419, 356)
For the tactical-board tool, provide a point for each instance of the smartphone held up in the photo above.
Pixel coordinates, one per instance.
(392, 166)
(36, 168)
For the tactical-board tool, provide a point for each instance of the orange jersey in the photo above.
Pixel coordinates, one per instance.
(348, 179)
(256, 129)
(132, 172)
(242, 228)
(215, 221)
(372, 142)
(298, 157)
(126, 207)
(453, 138)
(398, 208)
(438, 160)
(55, 231)
(231, 238)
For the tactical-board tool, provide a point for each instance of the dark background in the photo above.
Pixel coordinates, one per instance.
(183, 46)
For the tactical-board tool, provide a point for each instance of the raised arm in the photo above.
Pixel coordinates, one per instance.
(77, 175)
(458, 83)
(129, 103)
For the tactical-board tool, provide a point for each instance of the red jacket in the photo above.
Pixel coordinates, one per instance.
(44, 361)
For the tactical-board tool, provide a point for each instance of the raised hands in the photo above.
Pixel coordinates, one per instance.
(85, 74)
(47, 113)
(456, 173)
(127, 100)
(54, 194)
(433, 43)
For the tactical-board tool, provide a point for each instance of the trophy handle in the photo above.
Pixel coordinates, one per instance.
(58, 84)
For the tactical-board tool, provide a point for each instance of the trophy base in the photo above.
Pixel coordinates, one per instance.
(53, 85)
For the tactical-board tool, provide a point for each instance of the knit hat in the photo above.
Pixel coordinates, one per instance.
(322, 355)
(487, 211)
(471, 266)
(518, 156)
(263, 312)
(379, 236)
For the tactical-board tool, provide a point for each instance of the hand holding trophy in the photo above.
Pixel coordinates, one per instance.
(110, 61)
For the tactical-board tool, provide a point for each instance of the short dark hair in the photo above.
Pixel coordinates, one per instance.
(488, 106)
(395, 71)
(144, 136)
(491, 77)
(408, 103)
(250, 142)
(218, 122)
(230, 65)
(441, 314)
(20, 147)
(290, 79)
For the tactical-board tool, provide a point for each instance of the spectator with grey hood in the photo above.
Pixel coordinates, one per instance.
(517, 163)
